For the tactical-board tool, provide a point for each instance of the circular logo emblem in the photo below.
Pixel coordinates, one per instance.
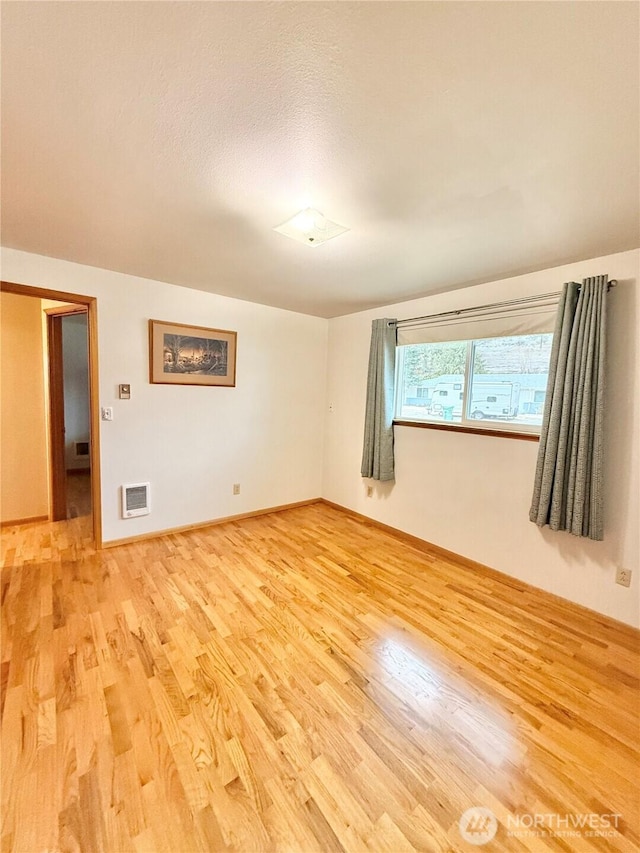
(478, 825)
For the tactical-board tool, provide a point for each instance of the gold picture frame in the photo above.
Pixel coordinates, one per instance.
(191, 355)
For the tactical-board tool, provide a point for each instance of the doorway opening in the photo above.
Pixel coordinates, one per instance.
(69, 409)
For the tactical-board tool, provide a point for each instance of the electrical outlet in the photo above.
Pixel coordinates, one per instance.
(236, 488)
(623, 577)
(369, 491)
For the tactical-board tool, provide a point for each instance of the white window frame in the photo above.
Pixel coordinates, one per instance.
(466, 422)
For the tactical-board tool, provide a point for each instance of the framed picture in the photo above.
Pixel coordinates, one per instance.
(191, 355)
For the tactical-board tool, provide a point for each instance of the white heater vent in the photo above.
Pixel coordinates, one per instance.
(136, 500)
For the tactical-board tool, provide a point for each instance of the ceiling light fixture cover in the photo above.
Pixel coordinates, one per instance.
(310, 227)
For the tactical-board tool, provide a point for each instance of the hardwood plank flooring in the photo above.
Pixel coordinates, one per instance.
(302, 681)
(78, 493)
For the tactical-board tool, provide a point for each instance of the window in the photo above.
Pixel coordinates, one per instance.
(500, 382)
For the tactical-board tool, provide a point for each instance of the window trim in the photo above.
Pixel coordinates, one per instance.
(473, 430)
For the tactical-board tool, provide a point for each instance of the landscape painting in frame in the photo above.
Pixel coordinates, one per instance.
(191, 355)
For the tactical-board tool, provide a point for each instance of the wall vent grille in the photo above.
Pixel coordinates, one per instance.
(136, 500)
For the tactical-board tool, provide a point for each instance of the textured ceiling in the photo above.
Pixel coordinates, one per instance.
(460, 142)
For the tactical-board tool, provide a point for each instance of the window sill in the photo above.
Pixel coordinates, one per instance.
(498, 433)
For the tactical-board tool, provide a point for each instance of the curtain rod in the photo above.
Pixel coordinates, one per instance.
(514, 302)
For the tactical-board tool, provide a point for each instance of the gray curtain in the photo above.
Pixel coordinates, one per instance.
(568, 490)
(377, 452)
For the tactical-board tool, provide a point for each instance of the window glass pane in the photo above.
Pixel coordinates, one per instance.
(507, 385)
(509, 380)
(430, 375)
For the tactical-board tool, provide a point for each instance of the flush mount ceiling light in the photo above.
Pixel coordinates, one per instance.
(310, 227)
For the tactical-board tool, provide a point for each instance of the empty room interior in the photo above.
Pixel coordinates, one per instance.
(320, 470)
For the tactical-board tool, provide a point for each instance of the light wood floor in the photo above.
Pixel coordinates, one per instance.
(299, 682)
(78, 494)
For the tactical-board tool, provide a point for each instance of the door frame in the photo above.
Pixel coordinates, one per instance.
(57, 441)
(90, 304)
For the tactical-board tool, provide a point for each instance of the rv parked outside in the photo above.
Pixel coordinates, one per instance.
(494, 400)
(448, 396)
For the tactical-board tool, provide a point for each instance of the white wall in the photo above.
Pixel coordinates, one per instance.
(194, 443)
(23, 450)
(471, 493)
(75, 361)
